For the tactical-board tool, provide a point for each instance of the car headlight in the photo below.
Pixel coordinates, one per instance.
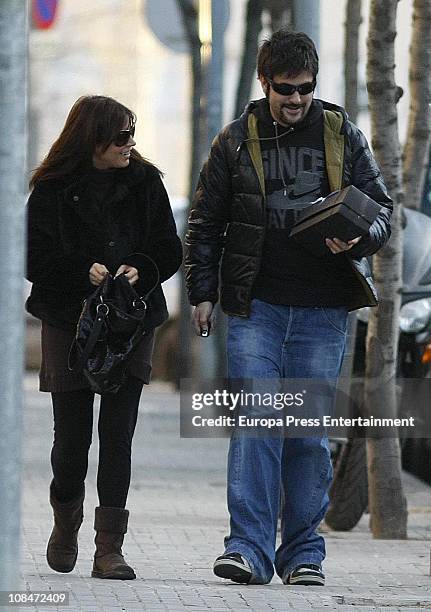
(415, 316)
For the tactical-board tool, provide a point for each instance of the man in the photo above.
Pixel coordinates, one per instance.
(287, 309)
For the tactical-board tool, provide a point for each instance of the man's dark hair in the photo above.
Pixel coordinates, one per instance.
(288, 53)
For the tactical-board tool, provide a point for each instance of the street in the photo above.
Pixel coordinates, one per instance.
(178, 518)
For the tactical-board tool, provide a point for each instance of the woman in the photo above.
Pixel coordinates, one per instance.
(97, 207)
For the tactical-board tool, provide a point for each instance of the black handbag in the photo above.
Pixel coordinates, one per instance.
(111, 325)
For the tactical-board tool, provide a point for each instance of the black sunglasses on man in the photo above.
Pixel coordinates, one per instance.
(286, 89)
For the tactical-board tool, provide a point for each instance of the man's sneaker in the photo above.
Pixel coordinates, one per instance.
(306, 575)
(233, 566)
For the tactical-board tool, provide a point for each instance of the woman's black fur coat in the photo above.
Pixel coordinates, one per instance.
(67, 233)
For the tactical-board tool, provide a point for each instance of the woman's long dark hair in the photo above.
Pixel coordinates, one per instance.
(93, 121)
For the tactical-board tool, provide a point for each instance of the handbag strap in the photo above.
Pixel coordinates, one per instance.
(147, 295)
(96, 330)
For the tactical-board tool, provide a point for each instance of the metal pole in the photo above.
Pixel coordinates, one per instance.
(13, 149)
(213, 348)
(306, 19)
(215, 81)
(215, 123)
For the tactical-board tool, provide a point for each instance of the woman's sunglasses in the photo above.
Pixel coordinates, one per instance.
(123, 137)
(286, 89)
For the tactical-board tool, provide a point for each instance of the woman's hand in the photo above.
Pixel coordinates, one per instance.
(97, 273)
(129, 272)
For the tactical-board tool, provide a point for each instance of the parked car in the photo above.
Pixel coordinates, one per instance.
(349, 491)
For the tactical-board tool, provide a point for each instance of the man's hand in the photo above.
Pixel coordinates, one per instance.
(338, 246)
(203, 318)
(129, 272)
(97, 273)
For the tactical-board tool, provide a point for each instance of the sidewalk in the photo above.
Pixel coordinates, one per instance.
(178, 518)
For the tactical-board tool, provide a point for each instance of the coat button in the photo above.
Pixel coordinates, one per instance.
(112, 243)
(75, 198)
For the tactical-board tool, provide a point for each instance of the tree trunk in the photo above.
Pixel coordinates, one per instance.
(306, 18)
(190, 21)
(387, 502)
(416, 149)
(351, 55)
(280, 13)
(253, 27)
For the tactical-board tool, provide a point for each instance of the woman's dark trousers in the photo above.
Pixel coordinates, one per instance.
(73, 424)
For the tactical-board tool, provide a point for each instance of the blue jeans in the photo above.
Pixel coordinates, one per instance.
(281, 342)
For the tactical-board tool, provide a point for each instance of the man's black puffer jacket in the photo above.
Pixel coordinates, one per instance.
(227, 220)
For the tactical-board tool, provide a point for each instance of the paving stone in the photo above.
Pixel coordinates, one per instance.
(178, 519)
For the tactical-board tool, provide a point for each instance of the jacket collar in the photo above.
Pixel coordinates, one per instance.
(76, 191)
(312, 118)
(133, 174)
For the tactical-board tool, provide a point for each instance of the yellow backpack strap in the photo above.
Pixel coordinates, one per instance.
(334, 148)
(253, 147)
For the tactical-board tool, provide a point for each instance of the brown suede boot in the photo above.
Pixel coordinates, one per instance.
(62, 549)
(110, 525)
